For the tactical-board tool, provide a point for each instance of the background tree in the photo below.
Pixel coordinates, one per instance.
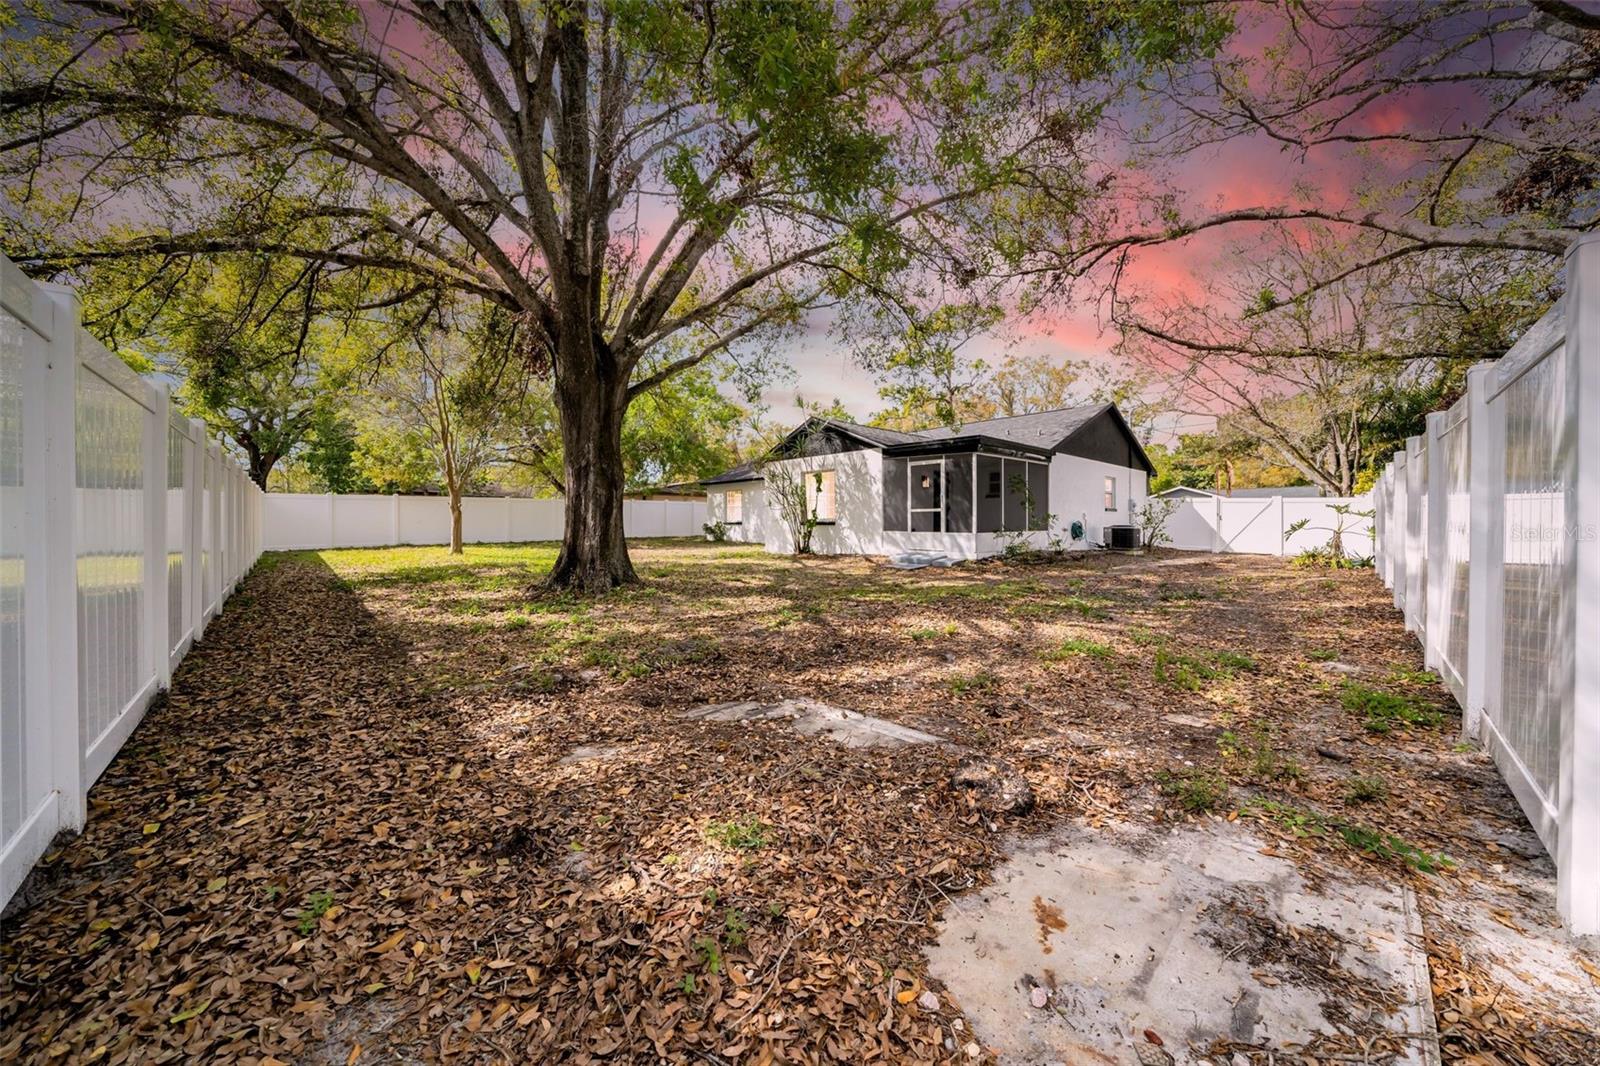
(440, 395)
(804, 153)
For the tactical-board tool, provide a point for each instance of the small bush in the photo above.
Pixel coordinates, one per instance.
(716, 532)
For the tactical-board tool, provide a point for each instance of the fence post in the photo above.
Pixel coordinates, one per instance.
(1578, 859)
(1485, 546)
(1433, 625)
(1216, 529)
(55, 419)
(1283, 536)
(159, 648)
(333, 525)
(214, 540)
(394, 518)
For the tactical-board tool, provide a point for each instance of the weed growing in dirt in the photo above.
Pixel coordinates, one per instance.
(962, 684)
(1369, 841)
(1363, 789)
(1267, 764)
(1196, 791)
(317, 904)
(743, 834)
(1076, 647)
(1322, 655)
(1191, 672)
(1381, 711)
(930, 633)
(1403, 676)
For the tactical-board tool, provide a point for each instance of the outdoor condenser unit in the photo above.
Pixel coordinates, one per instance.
(1122, 538)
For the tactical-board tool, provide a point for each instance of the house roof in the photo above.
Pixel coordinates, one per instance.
(1042, 429)
(1040, 432)
(742, 472)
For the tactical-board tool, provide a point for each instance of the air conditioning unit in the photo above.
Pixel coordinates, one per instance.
(1123, 538)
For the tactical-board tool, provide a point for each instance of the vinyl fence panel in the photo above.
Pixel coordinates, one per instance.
(325, 520)
(1498, 570)
(104, 557)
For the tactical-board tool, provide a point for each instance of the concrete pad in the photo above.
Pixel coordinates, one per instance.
(810, 718)
(1193, 934)
(594, 752)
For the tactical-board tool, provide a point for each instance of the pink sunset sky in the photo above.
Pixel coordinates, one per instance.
(1248, 171)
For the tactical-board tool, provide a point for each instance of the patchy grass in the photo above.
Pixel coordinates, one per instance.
(1077, 648)
(978, 681)
(1191, 672)
(1196, 791)
(1382, 711)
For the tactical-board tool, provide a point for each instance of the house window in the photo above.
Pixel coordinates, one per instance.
(993, 491)
(1111, 493)
(820, 496)
(733, 508)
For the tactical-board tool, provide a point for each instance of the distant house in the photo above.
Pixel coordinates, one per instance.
(963, 492)
(1185, 492)
(678, 490)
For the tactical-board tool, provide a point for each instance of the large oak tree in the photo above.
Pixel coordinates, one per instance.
(615, 173)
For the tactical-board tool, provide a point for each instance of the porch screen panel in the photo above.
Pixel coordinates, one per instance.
(958, 494)
(991, 494)
(1039, 490)
(894, 495)
(1016, 495)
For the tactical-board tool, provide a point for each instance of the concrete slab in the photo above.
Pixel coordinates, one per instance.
(810, 718)
(1087, 940)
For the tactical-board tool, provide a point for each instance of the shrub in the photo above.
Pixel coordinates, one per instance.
(716, 532)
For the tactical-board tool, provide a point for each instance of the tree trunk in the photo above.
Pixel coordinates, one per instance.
(261, 464)
(594, 553)
(455, 520)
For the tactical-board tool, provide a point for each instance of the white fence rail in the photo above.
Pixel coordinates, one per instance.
(122, 530)
(1266, 525)
(1488, 532)
(292, 520)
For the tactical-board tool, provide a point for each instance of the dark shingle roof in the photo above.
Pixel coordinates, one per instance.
(1043, 429)
(742, 472)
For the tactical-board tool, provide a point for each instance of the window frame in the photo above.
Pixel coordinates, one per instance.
(728, 498)
(814, 494)
(1109, 493)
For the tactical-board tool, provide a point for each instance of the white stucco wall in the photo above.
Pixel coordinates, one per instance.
(1077, 493)
(1076, 487)
(751, 529)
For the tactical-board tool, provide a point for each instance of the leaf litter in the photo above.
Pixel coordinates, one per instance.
(370, 843)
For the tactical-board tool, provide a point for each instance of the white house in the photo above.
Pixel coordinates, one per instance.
(964, 492)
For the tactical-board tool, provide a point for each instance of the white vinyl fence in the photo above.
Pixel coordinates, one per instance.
(293, 520)
(1488, 532)
(1266, 525)
(122, 530)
